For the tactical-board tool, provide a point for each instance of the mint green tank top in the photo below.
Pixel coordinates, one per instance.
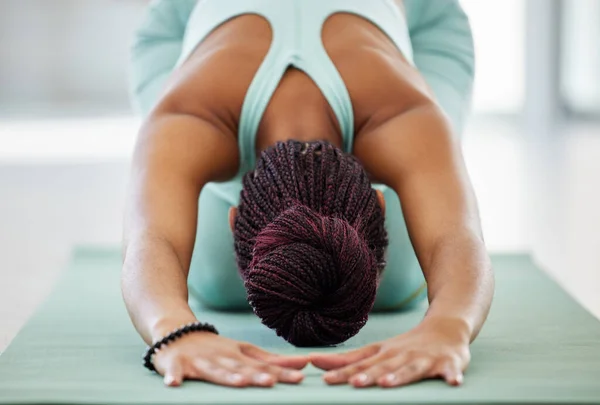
(296, 27)
(439, 30)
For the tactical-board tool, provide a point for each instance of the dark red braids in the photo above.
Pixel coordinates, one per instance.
(310, 242)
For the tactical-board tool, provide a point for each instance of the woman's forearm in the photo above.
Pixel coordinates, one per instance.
(154, 287)
(175, 156)
(460, 283)
(418, 156)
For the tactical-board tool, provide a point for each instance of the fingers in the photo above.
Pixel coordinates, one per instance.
(330, 361)
(295, 362)
(177, 368)
(344, 374)
(412, 371)
(396, 371)
(171, 368)
(232, 371)
(451, 371)
(173, 373)
(454, 378)
(416, 369)
(280, 374)
(243, 371)
(251, 375)
(216, 373)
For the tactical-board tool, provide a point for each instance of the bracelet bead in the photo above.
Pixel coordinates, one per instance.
(173, 336)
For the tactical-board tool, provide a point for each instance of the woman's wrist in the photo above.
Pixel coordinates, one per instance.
(167, 324)
(174, 335)
(453, 327)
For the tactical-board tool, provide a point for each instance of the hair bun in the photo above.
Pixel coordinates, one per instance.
(312, 278)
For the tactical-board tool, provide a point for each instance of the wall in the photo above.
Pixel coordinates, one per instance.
(55, 52)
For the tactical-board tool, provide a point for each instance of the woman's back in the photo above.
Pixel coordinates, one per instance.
(213, 81)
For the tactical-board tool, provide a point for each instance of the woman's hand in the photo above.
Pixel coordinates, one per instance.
(213, 358)
(432, 351)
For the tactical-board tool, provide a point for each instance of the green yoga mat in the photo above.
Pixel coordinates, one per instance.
(538, 346)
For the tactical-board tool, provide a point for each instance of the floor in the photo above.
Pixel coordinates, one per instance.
(63, 184)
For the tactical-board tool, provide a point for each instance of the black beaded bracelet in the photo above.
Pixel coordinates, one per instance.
(173, 336)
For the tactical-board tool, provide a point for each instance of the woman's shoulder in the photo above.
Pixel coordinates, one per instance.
(420, 13)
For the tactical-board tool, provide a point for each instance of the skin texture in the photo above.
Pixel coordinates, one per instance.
(402, 139)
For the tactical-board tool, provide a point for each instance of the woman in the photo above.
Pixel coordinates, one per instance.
(306, 123)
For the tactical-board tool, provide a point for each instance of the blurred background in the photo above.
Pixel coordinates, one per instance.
(67, 132)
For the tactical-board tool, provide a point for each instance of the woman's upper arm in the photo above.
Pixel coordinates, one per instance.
(444, 53)
(176, 155)
(156, 48)
(417, 155)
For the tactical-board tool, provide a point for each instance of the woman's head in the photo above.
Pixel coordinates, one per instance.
(310, 242)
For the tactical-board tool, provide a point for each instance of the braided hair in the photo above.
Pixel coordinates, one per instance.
(310, 242)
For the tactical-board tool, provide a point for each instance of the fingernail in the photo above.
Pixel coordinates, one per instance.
(262, 378)
(292, 374)
(391, 379)
(169, 380)
(235, 378)
(361, 379)
(459, 379)
(331, 375)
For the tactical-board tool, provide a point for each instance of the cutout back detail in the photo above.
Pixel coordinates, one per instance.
(297, 42)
